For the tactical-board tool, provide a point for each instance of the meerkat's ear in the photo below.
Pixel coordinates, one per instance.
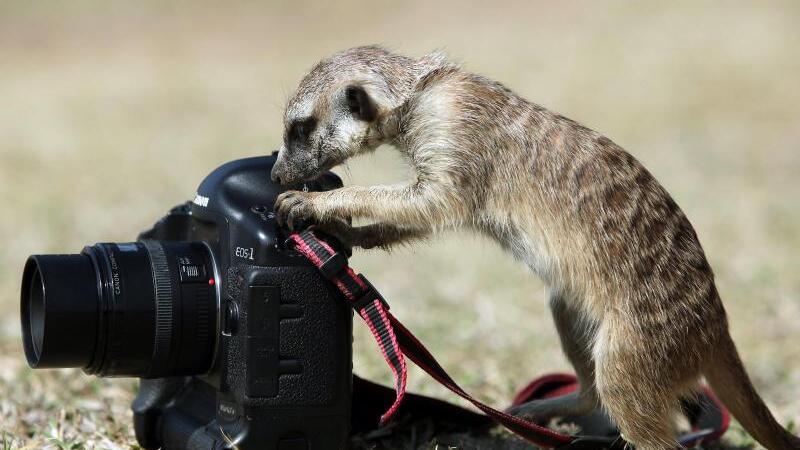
(360, 103)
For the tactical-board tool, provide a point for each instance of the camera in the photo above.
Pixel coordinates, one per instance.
(238, 341)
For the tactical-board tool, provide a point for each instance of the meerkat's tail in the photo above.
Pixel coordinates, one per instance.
(729, 380)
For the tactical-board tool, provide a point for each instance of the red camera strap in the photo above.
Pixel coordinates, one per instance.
(365, 300)
(395, 340)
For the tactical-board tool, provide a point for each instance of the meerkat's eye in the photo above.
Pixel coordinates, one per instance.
(302, 129)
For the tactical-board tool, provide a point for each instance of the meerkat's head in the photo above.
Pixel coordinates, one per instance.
(342, 108)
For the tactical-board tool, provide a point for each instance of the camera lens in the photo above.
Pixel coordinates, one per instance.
(36, 317)
(59, 310)
(145, 309)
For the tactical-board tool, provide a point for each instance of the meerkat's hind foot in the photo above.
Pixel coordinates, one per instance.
(543, 410)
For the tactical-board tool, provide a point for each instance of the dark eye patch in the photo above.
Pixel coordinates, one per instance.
(301, 129)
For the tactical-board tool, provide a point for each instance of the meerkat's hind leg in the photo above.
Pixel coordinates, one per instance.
(642, 401)
(576, 336)
(645, 420)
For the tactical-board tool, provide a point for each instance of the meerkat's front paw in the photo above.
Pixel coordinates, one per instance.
(295, 209)
(341, 230)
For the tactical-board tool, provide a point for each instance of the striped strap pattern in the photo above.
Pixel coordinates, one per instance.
(365, 300)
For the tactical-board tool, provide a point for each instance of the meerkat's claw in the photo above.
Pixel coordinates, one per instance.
(293, 209)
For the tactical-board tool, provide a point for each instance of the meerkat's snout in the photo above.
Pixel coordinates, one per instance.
(276, 177)
(276, 174)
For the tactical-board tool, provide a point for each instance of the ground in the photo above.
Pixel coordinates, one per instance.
(112, 112)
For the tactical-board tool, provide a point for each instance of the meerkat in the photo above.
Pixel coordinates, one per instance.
(630, 289)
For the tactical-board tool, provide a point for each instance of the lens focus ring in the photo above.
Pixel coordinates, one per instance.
(163, 300)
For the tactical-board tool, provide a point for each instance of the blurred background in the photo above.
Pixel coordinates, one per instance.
(111, 113)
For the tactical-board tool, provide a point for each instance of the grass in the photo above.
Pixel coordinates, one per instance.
(112, 112)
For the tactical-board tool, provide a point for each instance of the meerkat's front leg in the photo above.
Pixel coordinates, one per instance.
(421, 206)
(383, 235)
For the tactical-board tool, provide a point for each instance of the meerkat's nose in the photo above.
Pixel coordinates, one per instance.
(275, 174)
(276, 177)
(279, 167)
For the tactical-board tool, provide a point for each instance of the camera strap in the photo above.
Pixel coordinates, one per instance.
(395, 342)
(365, 300)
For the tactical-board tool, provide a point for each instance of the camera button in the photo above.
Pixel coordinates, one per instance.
(231, 323)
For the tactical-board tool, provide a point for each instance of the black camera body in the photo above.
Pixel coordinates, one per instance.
(239, 342)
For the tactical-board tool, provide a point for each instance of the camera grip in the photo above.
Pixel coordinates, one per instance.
(149, 404)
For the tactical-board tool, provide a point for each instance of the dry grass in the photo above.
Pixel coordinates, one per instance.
(112, 112)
